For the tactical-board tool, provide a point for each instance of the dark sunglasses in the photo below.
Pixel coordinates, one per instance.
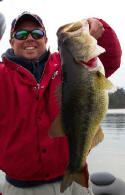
(23, 34)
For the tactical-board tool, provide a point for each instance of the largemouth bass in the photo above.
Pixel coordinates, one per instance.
(2, 25)
(83, 100)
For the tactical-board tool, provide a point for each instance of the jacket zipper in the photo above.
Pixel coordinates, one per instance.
(38, 85)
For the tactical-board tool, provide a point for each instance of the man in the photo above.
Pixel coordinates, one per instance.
(33, 162)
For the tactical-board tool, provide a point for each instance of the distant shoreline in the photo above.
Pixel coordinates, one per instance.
(119, 111)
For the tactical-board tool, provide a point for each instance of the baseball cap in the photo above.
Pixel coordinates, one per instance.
(24, 16)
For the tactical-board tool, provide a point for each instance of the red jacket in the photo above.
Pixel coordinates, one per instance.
(111, 59)
(26, 112)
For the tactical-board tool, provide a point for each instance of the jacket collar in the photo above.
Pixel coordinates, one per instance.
(35, 67)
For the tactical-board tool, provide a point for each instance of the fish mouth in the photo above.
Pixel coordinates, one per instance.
(77, 40)
(73, 29)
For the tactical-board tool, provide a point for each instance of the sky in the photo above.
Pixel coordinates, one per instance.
(56, 13)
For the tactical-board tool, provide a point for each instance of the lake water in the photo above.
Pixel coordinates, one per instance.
(109, 155)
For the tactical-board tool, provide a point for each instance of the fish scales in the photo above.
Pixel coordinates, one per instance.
(79, 101)
(84, 98)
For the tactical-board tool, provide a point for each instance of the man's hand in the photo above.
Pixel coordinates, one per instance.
(95, 27)
(2, 25)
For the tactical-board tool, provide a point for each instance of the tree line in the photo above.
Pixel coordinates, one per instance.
(117, 99)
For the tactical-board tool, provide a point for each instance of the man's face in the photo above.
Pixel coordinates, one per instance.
(30, 48)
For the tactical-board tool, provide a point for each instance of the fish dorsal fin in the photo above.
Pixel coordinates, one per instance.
(99, 136)
(104, 82)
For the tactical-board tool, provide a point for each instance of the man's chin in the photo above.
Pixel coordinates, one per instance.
(31, 57)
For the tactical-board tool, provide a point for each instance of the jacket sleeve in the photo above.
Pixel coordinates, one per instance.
(111, 59)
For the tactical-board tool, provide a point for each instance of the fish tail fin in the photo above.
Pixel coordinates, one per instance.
(67, 181)
(81, 177)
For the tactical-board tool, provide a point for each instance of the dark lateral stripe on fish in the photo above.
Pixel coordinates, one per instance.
(75, 165)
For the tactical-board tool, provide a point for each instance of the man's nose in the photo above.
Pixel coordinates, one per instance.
(29, 37)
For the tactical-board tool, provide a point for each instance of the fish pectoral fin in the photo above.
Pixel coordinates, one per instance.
(99, 136)
(104, 82)
(56, 129)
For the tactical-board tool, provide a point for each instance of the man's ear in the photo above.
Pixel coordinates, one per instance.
(46, 39)
(11, 42)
